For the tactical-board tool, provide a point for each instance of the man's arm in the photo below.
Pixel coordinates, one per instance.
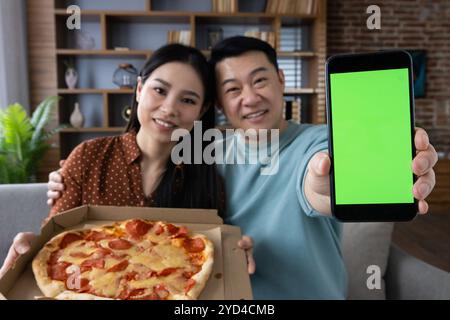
(317, 181)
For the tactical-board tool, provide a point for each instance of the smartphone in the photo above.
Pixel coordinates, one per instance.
(370, 115)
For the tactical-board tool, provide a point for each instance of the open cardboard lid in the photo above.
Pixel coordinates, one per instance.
(236, 282)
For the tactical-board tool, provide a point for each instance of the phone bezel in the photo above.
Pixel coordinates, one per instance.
(383, 60)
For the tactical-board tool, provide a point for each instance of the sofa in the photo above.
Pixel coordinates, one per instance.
(370, 257)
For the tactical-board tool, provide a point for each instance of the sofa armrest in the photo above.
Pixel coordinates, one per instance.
(410, 278)
(22, 208)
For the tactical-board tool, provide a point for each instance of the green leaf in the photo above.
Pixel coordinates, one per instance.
(23, 141)
(41, 117)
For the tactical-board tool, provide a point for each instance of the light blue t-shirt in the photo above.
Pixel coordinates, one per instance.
(297, 250)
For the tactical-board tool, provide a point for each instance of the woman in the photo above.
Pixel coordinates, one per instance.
(173, 90)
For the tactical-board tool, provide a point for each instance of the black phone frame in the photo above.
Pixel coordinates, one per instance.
(382, 60)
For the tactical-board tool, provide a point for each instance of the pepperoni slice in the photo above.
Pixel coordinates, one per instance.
(102, 252)
(189, 284)
(93, 263)
(84, 285)
(118, 256)
(120, 244)
(158, 229)
(167, 272)
(68, 239)
(80, 255)
(172, 229)
(58, 271)
(161, 291)
(133, 275)
(54, 256)
(150, 274)
(194, 245)
(136, 292)
(182, 232)
(151, 296)
(137, 228)
(189, 274)
(177, 232)
(85, 268)
(119, 267)
(98, 235)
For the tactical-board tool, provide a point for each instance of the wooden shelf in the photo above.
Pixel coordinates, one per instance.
(95, 91)
(296, 91)
(201, 14)
(283, 54)
(103, 103)
(296, 54)
(78, 52)
(87, 130)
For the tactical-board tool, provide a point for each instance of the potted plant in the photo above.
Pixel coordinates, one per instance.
(24, 141)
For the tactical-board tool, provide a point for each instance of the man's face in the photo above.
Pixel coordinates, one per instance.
(250, 91)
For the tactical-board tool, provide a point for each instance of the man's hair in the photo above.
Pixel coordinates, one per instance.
(236, 46)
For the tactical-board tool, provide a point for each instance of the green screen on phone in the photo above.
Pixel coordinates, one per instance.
(371, 129)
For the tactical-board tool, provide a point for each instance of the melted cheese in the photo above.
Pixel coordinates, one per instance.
(146, 283)
(106, 283)
(76, 248)
(161, 257)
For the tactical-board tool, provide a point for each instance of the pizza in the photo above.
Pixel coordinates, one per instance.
(128, 260)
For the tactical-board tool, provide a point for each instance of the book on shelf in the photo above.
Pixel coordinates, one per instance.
(179, 36)
(224, 6)
(307, 7)
(292, 109)
(267, 36)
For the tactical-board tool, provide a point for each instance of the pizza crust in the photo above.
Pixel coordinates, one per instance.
(201, 278)
(70, 295)
(49, 287)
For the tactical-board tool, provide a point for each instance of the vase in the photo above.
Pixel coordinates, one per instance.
(84, 41)
(76, 118)
(125, 76)
(71, 76)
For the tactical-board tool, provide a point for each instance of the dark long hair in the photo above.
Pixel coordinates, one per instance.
(186, 185)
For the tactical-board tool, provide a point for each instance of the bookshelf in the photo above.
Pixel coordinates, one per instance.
(129, 31)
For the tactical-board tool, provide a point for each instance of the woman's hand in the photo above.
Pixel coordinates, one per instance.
(21, 245)
(246, 243)
(55, 185)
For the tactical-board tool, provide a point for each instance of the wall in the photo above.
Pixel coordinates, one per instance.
(408, 24)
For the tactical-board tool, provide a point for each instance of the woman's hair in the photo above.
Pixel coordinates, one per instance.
(187, 185)
(177, 53)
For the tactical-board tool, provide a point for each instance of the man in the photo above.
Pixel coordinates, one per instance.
(288, 215)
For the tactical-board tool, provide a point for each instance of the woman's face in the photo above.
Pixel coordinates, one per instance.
(171, 98)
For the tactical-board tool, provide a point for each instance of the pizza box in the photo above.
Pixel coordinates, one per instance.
(229, 279)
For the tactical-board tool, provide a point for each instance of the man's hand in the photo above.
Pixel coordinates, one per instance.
(317, 182)
(55, 185)
(246, 243)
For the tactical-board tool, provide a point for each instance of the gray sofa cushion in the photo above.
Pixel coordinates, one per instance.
(22, 208)
(364, 245)
(410, 278)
